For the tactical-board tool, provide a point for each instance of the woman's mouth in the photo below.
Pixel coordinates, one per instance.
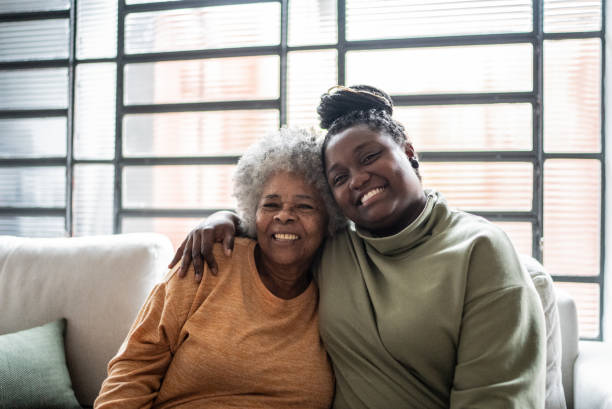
(368, 196)
(285, 236)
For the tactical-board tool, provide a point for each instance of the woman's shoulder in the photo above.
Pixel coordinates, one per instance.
(489, 249)
(241, 257)
(474, 226)
(243, 248)
(242, 252)
(241, 245)
(189, 293)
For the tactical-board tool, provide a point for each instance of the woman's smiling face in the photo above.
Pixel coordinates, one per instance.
(372, 180)
(291, 221)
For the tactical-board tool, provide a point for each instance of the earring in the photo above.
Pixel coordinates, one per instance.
(414, 162)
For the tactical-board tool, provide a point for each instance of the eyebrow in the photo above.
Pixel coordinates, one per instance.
(271, 196)
(305, 197)
(275, 196)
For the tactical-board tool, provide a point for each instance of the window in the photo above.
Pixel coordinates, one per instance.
(129, 115)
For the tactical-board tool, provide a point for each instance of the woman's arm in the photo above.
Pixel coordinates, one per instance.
(135, 374)
(219, 227)
(501, 354)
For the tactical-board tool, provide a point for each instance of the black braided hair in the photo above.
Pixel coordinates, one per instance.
(344, 107)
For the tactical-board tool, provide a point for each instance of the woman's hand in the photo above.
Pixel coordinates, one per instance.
(197, 246)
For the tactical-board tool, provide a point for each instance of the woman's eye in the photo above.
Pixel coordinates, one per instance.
(270, 205)
(338, 180)
(305, 206)
(370, 157)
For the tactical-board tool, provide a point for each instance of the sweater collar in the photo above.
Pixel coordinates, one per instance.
(410, 236)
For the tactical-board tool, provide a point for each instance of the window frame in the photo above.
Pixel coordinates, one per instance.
(536, 156)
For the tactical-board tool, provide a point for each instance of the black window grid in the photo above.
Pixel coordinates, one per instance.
(536, 156)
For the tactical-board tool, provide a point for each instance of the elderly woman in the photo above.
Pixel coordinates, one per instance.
(421, 305)
(248, 336)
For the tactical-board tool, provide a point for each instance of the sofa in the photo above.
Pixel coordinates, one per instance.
(98, 283)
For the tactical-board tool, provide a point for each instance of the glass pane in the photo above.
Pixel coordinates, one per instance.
(309, 74)
(586, 296)
(19, 6)
(92, 200)
(95, 111)
(521, 235)
(33, 137)
(195, 133)
(220, 79)
(572, 15)
(572, 206)
(34, 40)
(34, 89)
(244, 25)
(33, 186)
(28, 226)
(96, 29)
(178, 187)
(484, 186)
(468, 127)
(176, 228)
(313, 22)
(572, 95)
(435, 70)
(368, 19)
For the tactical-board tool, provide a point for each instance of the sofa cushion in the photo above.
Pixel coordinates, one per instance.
(98, 283)
(33, 372)
(555, 397)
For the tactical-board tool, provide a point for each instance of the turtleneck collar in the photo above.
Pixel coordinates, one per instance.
(410, 236)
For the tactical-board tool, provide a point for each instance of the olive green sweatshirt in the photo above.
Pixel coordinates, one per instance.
(439, 315)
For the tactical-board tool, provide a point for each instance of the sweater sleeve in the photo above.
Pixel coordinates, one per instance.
(501, 350)
(135, 374)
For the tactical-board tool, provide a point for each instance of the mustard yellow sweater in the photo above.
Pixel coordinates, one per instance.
(225, 343)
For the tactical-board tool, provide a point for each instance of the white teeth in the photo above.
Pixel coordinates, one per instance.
(371, 193)
(286, 236)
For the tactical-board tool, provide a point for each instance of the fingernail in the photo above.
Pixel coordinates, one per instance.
(214, 270)
(228, 252)
(198, 278)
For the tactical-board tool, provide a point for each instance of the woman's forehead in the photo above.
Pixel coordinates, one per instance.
(285, 184)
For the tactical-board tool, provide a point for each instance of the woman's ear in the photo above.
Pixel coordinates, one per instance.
(412, 158)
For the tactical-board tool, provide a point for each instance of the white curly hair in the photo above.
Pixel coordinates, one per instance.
(293, 150)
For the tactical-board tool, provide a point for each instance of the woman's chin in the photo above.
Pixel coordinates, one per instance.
(375, 217)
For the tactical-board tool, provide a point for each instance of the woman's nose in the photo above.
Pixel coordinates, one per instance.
(285, 215)
(358, 179)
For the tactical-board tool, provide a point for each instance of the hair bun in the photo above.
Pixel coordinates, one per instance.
(340, 100)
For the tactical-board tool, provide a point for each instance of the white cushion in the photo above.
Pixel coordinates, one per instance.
(555, 397)
(97, 283)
